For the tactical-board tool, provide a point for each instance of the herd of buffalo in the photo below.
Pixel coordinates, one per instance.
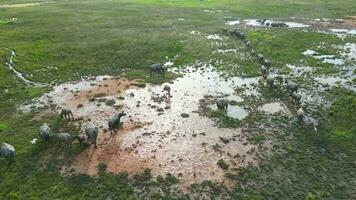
(91, 130)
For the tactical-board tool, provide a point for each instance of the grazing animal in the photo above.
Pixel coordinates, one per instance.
(253, 53)
(300, 115)
(45, 132)
(260, 58)
(115, 121)
(279, 24)
(63, 138)
(270, 82)
(296, 97)
(248, 44)
(264, 72)
(92, 132)
(238, 34)
(279, 79)
(291, 86)
(81, 139)
(222, 104)
(157, 68)
(167, 89)
(8, 152)
(66, 113)
(267, 63)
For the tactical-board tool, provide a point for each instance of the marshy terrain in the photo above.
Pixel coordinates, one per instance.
(257, 99)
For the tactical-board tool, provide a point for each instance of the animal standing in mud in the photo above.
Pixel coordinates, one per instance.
(45, 132)
(81, 139)
(157, 68)
(67, 114)
(92, 132)
(114, 121)
(8, 152)
(222, 104)
(167, 89)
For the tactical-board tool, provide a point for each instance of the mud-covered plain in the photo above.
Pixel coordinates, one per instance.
(92, 57)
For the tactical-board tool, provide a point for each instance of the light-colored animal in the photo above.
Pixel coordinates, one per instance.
(45, 132)
(260, 58)
(300, 115)
(81, 139)
(291, 86)
(264, 72)
(63, 138)
(222, 104)
(167, 89)
(92, 132)
(114, 121)
(157, 68)
(267, 63)
(8, 152)
(67, 114)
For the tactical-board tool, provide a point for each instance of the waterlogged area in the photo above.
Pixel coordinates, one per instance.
(155, 133)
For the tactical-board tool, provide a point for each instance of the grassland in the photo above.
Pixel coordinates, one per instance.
(65, 40)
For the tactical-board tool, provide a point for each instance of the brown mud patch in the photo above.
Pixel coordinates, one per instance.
(155, 133)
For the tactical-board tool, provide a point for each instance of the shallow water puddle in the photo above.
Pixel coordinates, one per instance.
(155, 134)
(324, 58)
(343, 32)
(255, 22)
(272, 108)
(231, 23)
(236, 112)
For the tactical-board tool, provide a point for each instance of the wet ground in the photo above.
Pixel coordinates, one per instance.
(168, 133)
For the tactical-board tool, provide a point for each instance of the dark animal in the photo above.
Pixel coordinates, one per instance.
(8, 152)
(167, 89)
(279, 79)
(81, 139)
(92, 132)
(253, 53)
(278, 24)
(238, 34)
(270, 82)
(114, 121)
(45, 132)
(264, 72)
(157, 68)
(67, 114)
(222, 104)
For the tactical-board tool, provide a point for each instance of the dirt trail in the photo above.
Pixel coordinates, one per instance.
(21, 5)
